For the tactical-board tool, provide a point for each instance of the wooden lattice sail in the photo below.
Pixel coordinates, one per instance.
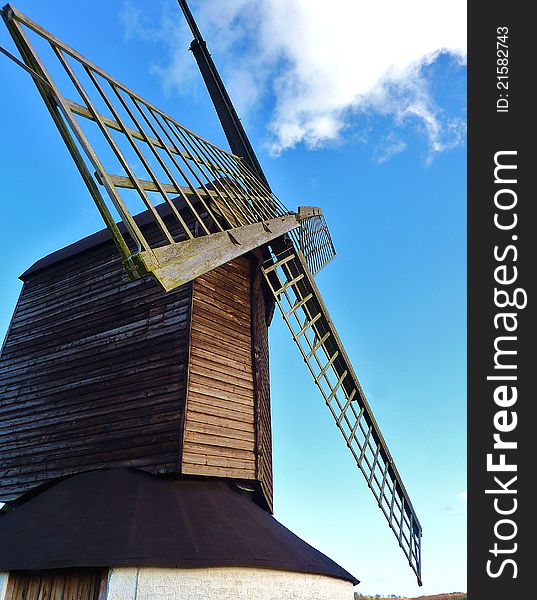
(230, 210)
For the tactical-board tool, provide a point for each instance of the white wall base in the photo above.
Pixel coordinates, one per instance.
(231, 583)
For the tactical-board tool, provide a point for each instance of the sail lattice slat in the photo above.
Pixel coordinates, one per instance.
(316, 337)
(315, 242)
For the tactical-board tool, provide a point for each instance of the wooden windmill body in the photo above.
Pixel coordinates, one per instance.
(135, 428)
(102, 371)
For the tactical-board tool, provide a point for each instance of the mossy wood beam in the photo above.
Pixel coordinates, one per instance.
(178, 263)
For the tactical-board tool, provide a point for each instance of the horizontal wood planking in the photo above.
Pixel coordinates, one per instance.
(219, 431)
(116, 380)
(168, 455)
(196, 414)
(229, 346)
(216, 407)
(204, 323)
(209, 450)
(221, 462)
(211, 383)
(224, 400)
(223, 362)
(92, 373)
(213, 437)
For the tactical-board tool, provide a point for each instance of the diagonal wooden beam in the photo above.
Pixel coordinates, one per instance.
(175, 264)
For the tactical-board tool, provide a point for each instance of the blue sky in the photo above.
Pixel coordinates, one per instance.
(368, 126)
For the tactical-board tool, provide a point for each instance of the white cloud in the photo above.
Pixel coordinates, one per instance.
(327, 63)
(463, 496)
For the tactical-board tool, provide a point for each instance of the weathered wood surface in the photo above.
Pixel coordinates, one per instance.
(182, 262)
(58, 584)
(92, 373)
(219, 431)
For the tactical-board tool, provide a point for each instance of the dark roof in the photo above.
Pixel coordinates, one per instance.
(126, 517)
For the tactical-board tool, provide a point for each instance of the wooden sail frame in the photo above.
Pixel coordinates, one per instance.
(230, 207)
(315, 335)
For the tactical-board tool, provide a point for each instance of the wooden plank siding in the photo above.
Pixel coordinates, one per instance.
(57, 584)
(219, 431)
(96, 371)
(92, 372)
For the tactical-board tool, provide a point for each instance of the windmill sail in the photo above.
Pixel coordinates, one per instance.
(305, 314)
(229, 210)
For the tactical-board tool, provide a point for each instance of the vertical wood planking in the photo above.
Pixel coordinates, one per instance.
(57, 584)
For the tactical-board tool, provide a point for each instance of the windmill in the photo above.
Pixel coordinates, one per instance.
(183, 365)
